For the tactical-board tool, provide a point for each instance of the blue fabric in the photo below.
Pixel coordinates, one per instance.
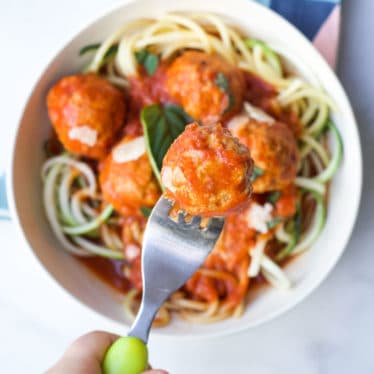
(306, 15)
(3, 200)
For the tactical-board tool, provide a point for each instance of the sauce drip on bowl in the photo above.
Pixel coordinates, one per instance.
(109, 271)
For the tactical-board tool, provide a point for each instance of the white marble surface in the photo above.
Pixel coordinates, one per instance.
(331, 332)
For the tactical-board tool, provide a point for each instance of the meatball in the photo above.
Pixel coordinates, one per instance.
(126, 178)
(274, 151)
(87, 113)
(207, 86)
(207, 172)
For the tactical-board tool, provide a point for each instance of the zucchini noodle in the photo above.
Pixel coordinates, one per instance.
(315, 227)
(89, 226)
(110, 238)
(256, 254)
(317, 147)
(86, 226)
(274, 274)
(310, 184)
(282, 235)
(59, 174)
(76, 206)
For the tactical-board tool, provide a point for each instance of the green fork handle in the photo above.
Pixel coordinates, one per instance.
(127, 355)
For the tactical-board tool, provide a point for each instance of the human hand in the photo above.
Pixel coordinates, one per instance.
(86, 354)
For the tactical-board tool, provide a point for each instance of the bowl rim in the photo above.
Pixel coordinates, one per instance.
(15, 219)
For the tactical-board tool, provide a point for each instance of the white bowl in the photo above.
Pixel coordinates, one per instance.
(306, 272)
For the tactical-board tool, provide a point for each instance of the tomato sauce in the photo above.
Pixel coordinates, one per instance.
(263, 95)
(259, 92)
(145, 90)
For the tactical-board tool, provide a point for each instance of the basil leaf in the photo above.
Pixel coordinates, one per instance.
(146, 211)
(222, 82)
(257, 173)
(148, 59)
(272, 223)
(161, 126)
(273, 197)
(151, 63)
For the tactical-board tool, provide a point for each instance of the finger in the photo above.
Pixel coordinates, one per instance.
(85, 354)
(93, 345)
(156, 371)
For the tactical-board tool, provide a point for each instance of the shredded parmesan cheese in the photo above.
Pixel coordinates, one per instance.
(237, 121)
(131, 252)
(84, 134)
(129, 151)
(167, 178)
(172, 177)
(258, 114)
(258, 216)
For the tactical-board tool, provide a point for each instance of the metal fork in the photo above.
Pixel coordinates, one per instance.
(172, 252)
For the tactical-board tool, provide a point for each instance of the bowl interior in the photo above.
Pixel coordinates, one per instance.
(306, 272)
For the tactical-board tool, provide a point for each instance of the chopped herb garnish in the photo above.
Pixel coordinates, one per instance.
(110, 53)
(273, 197)
(141, 55)
(148, 59)
(257, 173)
(146, 211)
(272, 223)
(93, 47)
(222, 82)
(89, 48)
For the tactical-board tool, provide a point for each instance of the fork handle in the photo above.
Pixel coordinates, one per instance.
(143, 321)
(129, 355)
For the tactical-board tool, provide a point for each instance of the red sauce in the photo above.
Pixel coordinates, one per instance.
(286, 204)
(145, 90)
(262, 94)
(259, 92)
(109, 271)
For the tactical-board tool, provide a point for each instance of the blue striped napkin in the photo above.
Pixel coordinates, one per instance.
(306, 15)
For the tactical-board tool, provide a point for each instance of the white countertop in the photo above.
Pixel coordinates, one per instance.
(330, 332)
